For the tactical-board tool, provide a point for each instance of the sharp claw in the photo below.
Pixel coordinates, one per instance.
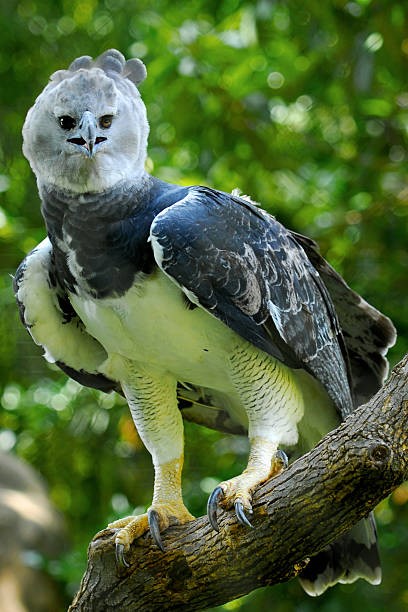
(212, 506)
(153, 518)
(241, 516)
(120, 555)
(282, 457)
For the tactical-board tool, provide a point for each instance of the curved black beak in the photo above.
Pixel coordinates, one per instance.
(86, 138)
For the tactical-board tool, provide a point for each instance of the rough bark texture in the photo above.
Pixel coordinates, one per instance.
(315, 500)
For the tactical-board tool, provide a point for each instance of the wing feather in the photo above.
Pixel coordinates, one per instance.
(245, 268)
(49, 317)
(367, 333)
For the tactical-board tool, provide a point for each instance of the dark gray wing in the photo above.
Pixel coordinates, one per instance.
(368, 334)
(48, 316)
(246, 269)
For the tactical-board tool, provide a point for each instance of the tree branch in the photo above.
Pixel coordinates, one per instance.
(296, 514)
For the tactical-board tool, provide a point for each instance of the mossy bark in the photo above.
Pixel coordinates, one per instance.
(319, 497)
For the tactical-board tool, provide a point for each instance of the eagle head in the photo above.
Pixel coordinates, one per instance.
(88, 128)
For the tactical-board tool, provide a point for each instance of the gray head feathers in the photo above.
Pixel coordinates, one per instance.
(88, 128)
(111, 62)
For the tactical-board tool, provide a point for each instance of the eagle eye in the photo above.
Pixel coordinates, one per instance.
(67, 122)
(105, 121)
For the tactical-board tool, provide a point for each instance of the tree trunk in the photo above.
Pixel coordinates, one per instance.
(296, 514)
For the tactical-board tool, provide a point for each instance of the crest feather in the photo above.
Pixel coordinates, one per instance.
(113, 64)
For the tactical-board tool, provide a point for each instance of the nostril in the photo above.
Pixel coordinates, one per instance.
(78, 141)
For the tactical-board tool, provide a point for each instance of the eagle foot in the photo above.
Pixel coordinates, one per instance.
(156, 520)
(231, 493)
(237, 492)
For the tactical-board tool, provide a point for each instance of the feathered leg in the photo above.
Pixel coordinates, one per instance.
(274, 405)
(153, 405)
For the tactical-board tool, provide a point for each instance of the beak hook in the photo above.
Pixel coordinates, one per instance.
(87, 130)
(86, 138)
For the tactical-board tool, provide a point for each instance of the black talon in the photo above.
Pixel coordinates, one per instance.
(212, 506)
(120, 555)
(282, 457)
(241, 516)
(153, 519)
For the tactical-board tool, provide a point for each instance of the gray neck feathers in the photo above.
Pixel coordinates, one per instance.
(117, 203)
(105, 235)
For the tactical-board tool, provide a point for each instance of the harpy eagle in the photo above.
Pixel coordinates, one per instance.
(191, 302)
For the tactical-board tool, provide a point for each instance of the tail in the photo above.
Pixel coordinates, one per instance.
(354, 555)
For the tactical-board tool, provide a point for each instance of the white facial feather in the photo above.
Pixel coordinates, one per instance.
(103, 92)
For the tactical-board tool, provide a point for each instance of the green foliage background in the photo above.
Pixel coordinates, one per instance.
(303, 105)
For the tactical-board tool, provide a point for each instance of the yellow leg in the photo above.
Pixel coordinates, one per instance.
(153, 405)
(167, 509)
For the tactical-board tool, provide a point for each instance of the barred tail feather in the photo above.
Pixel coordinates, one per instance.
(355, 555)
